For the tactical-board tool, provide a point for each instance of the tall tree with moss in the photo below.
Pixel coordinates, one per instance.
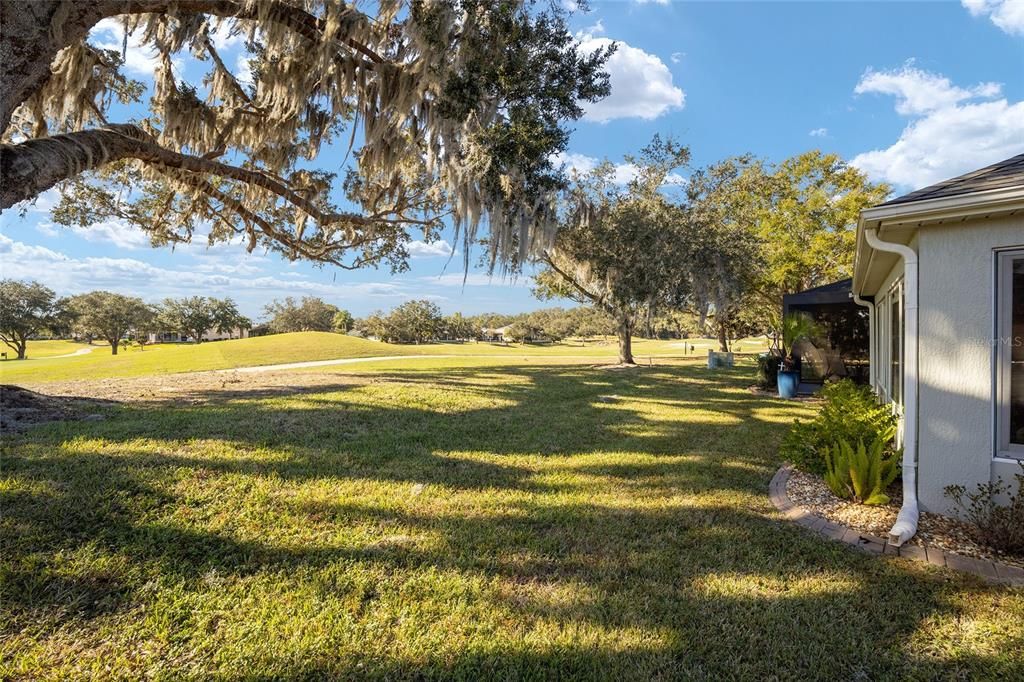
(460, 105)
(619, 247)
(724, 260)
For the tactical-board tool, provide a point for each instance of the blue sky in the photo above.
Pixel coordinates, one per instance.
(912, 93)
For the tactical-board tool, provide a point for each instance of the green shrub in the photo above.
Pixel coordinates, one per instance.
(849, 412)
(862, 473)
(767, 371)
(998, 526)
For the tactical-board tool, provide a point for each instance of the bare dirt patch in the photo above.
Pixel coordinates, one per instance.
(21, 408)
(202, 387)
(934, 530)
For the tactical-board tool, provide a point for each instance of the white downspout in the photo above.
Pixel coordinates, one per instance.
(906, 520)
(871, 338)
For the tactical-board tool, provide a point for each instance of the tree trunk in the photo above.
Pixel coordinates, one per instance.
(34, 166)
(723, 339)
(32, 32)
(22, 348)
(114, 343)
(625, 334)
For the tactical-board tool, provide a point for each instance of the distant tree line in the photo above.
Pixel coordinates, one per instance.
(30, 309)
(421, 321)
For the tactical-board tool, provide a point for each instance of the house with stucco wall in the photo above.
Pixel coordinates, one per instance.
(941, 271)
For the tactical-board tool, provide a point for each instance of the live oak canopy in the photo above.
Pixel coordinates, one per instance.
(459, 103)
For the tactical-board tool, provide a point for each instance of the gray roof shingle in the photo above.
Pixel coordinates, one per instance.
(1008, 173)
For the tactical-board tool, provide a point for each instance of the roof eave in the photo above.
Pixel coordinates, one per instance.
(913, 214)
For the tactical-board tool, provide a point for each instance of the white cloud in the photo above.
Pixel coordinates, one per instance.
(117, 232)
(17, 254)
(47, 229)
(69, 275)
(641, 84)
(624, 172)
(819, 132)
(918, 91)
(473, 279)
(138, 60)
(243, 69)
(948, 134)
(1006, 14)
(421, 249)
(223, 39)
(652, 2)
(677, 57)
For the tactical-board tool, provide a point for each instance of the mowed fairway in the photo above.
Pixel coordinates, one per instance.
(46, 349)
(471, 519)
(297, 347)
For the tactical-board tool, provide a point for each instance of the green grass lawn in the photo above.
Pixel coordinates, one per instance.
(46, 349)
(460, 519)
(297, 347)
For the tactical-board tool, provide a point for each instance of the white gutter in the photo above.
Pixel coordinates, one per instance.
(906, 521)
(872, 356)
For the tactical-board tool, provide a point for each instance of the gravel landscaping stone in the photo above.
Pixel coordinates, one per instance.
(941, 534)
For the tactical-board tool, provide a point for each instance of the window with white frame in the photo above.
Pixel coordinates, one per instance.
(896, 343)
(889, 331)
(1009, 354)
(882, 346)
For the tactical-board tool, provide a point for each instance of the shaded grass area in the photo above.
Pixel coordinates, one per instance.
(295, 347)
(459, 522)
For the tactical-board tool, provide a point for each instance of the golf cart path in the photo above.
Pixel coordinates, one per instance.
(325, 363)
(80, 351)
(387, 358)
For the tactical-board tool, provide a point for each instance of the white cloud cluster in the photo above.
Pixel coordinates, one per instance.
(819, 132)
(1008, 15)
(920, 92)
(139, 60)
(473, 279)
(70, 275)
(641, 83)
(949, 132)
(113, 231)
(422, 249)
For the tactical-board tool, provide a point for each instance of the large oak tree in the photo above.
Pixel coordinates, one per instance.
(621, 248)
(459, 105)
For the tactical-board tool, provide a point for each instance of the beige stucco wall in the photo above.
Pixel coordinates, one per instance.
(957, 325)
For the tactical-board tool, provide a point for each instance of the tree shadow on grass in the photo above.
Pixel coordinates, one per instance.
(666, 543)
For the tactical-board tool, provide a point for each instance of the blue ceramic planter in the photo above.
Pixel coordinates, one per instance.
(788, 383)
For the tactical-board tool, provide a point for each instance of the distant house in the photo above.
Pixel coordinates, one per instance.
(496, 335)
(941, 271)
(212, 335)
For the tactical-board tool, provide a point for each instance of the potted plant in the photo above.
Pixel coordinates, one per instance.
(795, 328)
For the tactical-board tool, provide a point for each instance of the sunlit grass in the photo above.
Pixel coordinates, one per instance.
(458, 520)
(304, 347)
(45, 349)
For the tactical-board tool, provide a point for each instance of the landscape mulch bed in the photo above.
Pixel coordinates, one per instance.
(948, 534)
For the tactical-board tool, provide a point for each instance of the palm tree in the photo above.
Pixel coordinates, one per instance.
(795, 328)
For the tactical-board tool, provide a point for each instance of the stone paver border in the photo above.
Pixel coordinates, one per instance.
(992, 571)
